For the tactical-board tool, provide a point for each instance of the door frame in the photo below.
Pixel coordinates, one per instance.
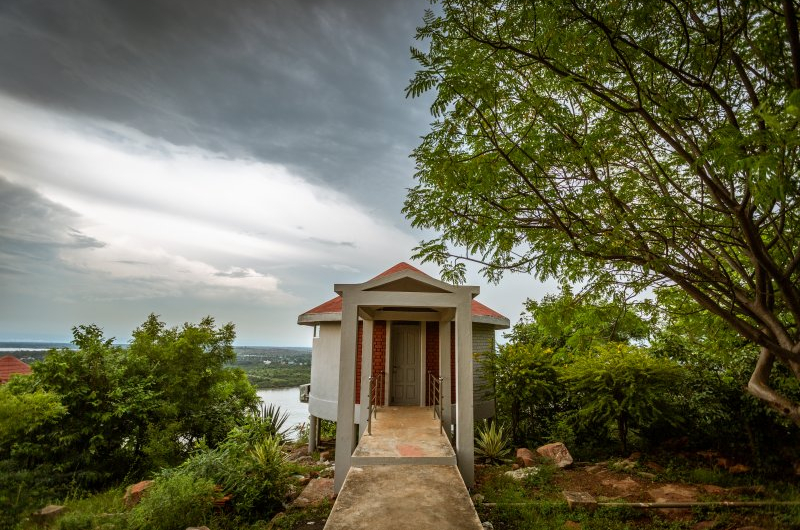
(421, 386)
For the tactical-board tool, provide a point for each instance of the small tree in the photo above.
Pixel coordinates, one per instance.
(625, 385)
(524, 379)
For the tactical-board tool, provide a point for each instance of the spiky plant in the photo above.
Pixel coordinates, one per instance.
(491, 443)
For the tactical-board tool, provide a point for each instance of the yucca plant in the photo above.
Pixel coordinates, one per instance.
(272, 421)
(491, 444)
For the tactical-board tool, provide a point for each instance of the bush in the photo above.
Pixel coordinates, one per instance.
(491, 443)
(624, 385)
(248, 465)
(175, 501)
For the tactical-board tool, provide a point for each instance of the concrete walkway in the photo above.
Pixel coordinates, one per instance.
(404, 476)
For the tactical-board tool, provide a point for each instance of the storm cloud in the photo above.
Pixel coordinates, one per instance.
(192, 157)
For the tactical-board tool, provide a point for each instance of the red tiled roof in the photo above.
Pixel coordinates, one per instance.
(10, 365)
(402, 266)
(480, 310)
(334, 305)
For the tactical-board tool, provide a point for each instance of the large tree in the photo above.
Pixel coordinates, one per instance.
(657, 141)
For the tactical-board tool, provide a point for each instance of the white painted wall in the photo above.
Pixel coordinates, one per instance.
(325, 371)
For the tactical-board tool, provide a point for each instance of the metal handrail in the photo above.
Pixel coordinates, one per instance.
(376, 388)
(435, 393)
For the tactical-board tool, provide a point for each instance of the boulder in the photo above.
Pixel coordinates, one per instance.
(557, 452)
(525, 457)
(315, 492)
(133, 494)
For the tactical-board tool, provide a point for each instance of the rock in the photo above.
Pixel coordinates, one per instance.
(712, 489)
(580, 499)
(304, 481)
(317, 490)
(47, 514)
(514, 467)
(525, 457)
(297, 453)
(557, 452)
(324, 456)
(673, 493)
(523, 472)
(477, 498)
(133, 494)
(486, 525)
(596, 468)
(623, 487)
(738, 469)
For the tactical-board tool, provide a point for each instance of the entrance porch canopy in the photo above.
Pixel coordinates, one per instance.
(410, 295)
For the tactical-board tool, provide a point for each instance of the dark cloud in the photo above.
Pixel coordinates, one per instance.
(315, 85)
(35, 228)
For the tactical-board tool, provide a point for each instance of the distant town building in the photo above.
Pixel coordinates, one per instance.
(10, 365)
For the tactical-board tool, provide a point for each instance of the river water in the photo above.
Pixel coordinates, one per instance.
(288, 399)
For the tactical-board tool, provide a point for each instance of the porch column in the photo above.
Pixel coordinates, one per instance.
(312, 434)
(465, 442)
(345, 430)
(366, 371)
(444, 373)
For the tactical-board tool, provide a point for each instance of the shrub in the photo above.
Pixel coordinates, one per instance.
(624, 385)
(491, 443)
(176, 501)
(248, 465)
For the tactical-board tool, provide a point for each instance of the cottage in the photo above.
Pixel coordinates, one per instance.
(392, 329)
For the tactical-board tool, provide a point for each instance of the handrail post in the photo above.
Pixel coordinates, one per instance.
(369, 407)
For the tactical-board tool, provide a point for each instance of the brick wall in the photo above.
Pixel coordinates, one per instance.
(431, 356)
(453, 362)
(379, 354)
(359, 343)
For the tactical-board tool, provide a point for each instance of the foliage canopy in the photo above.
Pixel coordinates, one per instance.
(658, 142)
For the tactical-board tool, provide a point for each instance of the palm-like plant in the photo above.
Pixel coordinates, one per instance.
(491, 443)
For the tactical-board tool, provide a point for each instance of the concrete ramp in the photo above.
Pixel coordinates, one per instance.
(404, 476)
(405, 497)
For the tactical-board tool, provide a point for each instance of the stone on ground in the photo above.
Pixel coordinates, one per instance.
(314, 493)
(557, 452)
(673, 493)
(133, 494)
(47, 514)
(525, 457)
(521, 473)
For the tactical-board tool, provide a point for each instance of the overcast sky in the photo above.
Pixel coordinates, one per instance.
(191, 158)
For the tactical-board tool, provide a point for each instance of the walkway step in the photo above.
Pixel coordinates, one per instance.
(386, 497)
(404, 435)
